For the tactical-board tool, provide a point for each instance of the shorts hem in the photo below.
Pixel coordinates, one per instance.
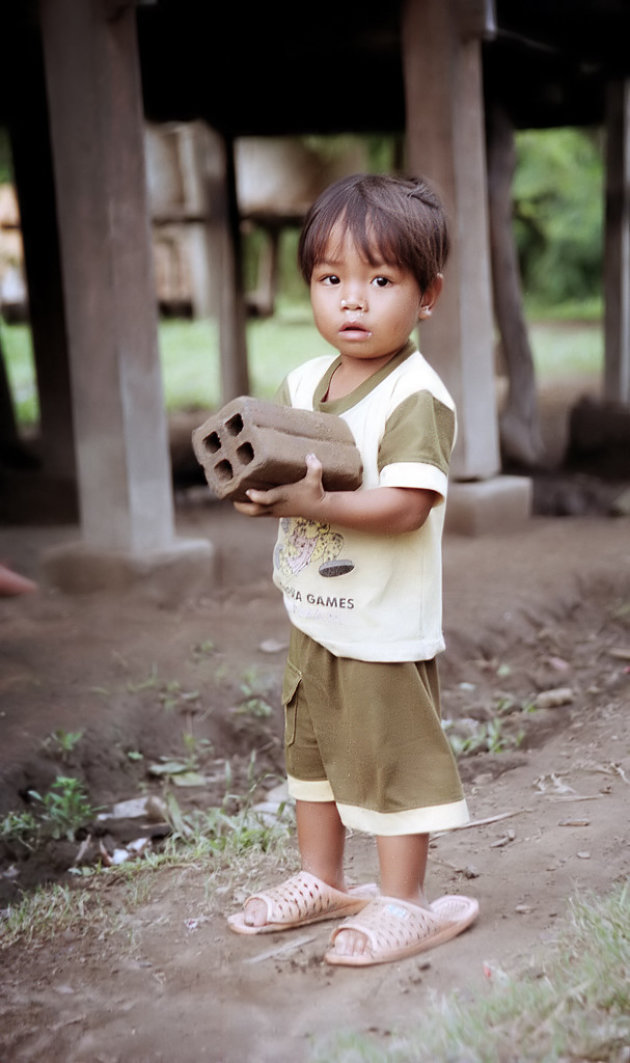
(309, 789)
(410, 821)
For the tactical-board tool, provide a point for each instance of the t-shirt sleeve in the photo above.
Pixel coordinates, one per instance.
(416, 446)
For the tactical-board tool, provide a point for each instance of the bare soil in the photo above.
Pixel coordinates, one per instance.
(157, 975)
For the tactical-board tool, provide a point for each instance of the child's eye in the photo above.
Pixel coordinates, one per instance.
(381, 282)
(331, 278)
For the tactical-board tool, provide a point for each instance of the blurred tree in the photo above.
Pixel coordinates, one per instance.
(519, 423)
(558, 213)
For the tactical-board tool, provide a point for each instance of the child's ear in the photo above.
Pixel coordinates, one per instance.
(430, 296)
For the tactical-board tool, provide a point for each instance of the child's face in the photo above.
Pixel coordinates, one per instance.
(365, 311)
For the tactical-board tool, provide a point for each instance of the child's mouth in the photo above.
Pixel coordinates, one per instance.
(353, 326)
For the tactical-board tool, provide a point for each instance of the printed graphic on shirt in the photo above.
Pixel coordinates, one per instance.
(308, 542)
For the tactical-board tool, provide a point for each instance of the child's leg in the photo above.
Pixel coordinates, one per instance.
(403, 864)
(321, 839)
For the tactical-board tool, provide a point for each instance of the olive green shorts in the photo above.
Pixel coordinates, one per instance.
(367, 735)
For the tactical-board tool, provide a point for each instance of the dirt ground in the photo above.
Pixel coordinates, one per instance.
(545, 608)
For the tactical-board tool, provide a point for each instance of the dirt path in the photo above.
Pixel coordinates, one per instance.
(152, 973)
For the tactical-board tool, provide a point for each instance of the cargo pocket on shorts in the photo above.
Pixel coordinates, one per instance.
(290, 691)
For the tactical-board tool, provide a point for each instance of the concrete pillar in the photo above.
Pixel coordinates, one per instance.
(94, 95)
(446, 143)
(617, 245)
(32, 162)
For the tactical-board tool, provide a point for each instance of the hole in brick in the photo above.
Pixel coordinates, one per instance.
(223, 471)
(245, 453)
(235, 424)
(212, 442)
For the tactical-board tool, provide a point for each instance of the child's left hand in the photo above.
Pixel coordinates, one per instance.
(300, 499)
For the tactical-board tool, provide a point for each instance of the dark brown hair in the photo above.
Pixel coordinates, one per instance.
(399, 219)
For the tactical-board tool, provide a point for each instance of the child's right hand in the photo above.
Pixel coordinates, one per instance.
(301, 499)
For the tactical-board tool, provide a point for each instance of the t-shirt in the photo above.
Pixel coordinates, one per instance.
(374, 597)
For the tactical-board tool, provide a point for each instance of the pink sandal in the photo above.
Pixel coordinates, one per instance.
(301, 900)
(395, 929)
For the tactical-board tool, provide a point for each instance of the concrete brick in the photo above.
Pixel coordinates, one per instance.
(255, 443)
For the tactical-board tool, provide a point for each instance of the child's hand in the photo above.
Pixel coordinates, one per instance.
(301, 499)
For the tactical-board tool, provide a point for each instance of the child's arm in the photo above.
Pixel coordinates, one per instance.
(389, 510)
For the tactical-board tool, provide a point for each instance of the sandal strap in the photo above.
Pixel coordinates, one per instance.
(390, 925)
(302, 896)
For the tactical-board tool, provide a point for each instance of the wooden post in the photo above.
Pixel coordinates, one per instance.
(96, 122)
(521, 439)
(446, 144)
(617, 245)
(232, 335)
(32, 162)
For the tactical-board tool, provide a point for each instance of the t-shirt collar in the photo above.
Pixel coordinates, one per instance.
(345, 403)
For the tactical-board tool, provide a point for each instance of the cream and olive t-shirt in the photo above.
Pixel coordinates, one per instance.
(374, 597)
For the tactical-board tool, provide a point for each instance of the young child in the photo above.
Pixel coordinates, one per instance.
(360, 573)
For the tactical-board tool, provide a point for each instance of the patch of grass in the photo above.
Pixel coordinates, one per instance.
(575, 310)
(564, 350)
(496, 735)
(60, 813)
(226, 842)
(488, 738)
(63, 742)
(216, 832)
(64, 809)
(18, 827)
(46, 913)
(189, 352)
(17, 348)
(574, 1004)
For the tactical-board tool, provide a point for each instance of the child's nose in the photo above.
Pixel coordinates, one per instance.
(353, 301)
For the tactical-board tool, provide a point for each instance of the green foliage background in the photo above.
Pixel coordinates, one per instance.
(558, 214)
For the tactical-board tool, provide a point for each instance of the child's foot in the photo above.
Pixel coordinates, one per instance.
(354, 942)
(11, 583)
(301, 900)
(389, 929)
